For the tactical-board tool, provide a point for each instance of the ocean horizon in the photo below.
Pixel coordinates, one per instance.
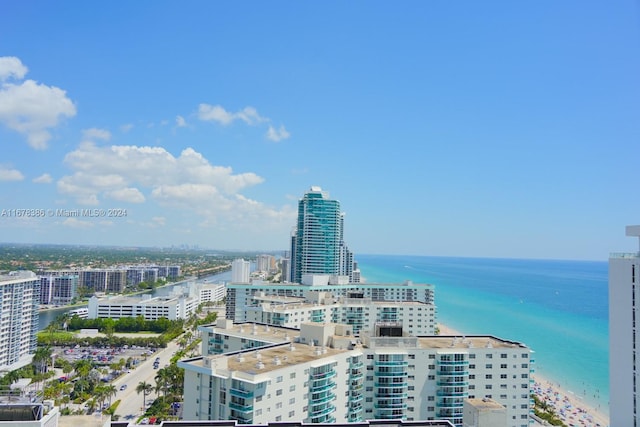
(559, 308)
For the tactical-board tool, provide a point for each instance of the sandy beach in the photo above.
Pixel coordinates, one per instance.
(571, 409)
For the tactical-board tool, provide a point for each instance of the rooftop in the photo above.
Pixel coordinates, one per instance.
(473, 341)
(255, 331)
(18, 276)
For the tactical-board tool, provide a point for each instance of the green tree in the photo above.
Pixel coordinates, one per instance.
(145, 388)
(41, 359)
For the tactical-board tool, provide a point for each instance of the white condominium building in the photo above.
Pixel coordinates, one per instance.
(324, 374)
(19, 303)
(241, 296)
(212, 292)
(240, 271)
(624, 338)
(416, 318)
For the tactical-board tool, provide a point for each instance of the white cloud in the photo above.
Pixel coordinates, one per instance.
(130, 195)
(45, 178)
(29, 107)
(217, 113)
(180, 122)
(95, 133)
(187, 184)
(277, 135)
(10, 66)
(126, 128)
(8, 174)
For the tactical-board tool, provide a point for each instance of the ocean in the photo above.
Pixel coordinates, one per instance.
(558, 308)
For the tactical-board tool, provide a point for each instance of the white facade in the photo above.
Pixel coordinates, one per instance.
(240, 296)
(624, 360)
(171, 308)
(212, 292)
(240, 271)
(181, 304)
(415, 317)
(19, 304)
(483, 413)
(325, 374)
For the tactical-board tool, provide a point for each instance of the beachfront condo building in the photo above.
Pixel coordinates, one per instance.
(242, 302)
(417, 318)
(322, 373)
(317, 243)
(624, 337)
(19, 303)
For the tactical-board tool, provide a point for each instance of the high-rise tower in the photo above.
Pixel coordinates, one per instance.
(317, 245)
(20, 293)
(624, 337)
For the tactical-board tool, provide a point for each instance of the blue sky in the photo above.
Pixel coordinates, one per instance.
(489, 129)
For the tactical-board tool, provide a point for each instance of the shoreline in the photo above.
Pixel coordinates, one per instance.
(569, 407)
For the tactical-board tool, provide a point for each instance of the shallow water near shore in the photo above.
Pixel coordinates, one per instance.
(558, 308)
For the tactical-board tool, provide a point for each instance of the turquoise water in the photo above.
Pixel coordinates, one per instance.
(558, 308)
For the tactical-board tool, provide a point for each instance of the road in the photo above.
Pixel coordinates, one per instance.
(130, 407)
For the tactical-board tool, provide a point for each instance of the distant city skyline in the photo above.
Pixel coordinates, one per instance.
(467, 129)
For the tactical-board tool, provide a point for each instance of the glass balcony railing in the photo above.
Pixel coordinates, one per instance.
(324, 399)
(241, 408)
(452, 393)
(242, 420)
(323, 412)
(324, 387)
(391, 363)
(323, 375)
(245, 394)
(453, 362)
(388, 385)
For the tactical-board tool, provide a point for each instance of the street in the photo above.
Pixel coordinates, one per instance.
(130, 407)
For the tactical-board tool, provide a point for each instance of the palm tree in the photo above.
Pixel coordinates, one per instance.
(144, 388)
(41, 358)
(110, 391)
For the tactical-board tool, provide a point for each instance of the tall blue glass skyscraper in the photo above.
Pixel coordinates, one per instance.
(317, 246)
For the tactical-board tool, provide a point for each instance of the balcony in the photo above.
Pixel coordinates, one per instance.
(320, 388)
(441, 393)
(453, 362)
(245, 394)
(242, 420)
(391, 363)
(390, 374)
(393, 403)
(241, 408)
(323, 412)
(328, 398)
(402, 384)
(323, 375)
